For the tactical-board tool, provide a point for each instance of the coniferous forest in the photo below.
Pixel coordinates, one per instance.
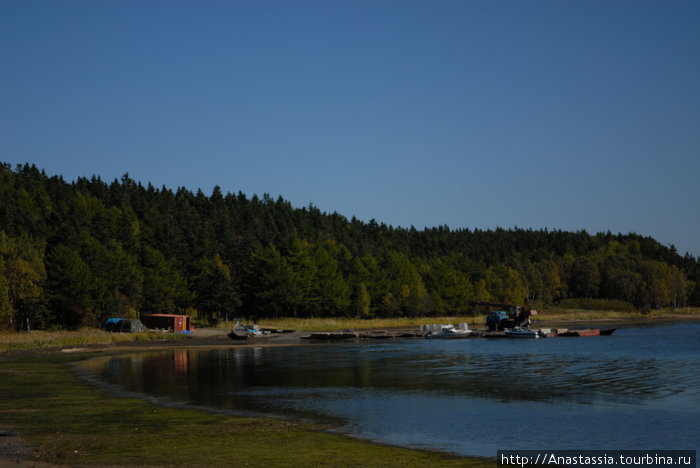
(73, 254)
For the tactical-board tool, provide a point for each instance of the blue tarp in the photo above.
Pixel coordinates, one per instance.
(118, 324)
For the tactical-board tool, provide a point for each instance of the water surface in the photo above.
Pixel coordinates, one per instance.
(637, 389)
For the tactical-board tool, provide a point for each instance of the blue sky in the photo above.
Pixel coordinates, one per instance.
(562, 114)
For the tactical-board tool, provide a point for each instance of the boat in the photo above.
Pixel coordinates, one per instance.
(239, 332)
(449, 331)
(519, 332)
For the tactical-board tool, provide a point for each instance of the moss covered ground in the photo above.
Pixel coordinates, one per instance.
(67, 421)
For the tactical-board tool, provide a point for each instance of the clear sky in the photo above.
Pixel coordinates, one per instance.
(564, 114)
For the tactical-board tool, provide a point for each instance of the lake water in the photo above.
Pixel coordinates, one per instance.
(636, 389)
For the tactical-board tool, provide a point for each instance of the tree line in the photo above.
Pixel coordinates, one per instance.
(73, 254)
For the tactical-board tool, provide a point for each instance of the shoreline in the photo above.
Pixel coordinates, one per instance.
(14, 449)
(217, 337)
(50, 416)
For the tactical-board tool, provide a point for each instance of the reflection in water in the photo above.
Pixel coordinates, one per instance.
(635, 388)
(182, 361)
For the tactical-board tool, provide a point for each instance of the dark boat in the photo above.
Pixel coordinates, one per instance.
(519, 332)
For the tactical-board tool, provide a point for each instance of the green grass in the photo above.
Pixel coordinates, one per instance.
(687, 311)
(67, 421)
(38, 339)
(563, 314)
(555, 313)
(597, 304)
(332, 324)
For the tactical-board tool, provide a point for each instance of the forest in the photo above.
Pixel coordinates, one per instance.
(75, 253)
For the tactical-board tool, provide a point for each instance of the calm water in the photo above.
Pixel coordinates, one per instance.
(637, 389)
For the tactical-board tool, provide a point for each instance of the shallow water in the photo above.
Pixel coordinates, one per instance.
(636, 389)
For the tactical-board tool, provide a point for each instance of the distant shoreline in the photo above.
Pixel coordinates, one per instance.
(218, 337)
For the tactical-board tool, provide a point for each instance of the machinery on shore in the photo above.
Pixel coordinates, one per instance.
(508, 317)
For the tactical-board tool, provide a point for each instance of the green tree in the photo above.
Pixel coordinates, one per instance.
(24, 273)
(299, 280)
(361, 301)
(532, 280)
(123, 277)
(216, 297)
(313, 263)
(505, 285)
(284, 284)
(654, 291)
(406, 294)
(585, 278)
(679, 287)
(69, 280)
(6, 311)
(481, 292)
(618, 271)
(164, 288)
(450, 289)
(263, 283)
(368, 271)
(332, 291)
(5, 305)
(117, 285)
(551, 282)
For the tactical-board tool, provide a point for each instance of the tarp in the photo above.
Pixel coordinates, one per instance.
(124, 325)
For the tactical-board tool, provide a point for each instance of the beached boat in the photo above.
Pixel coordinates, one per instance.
(449, 331)
(519, 332)
(239, 332)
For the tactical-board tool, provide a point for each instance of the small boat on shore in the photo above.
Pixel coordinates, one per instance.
(519, 332)
(239, 332)
(449, 332)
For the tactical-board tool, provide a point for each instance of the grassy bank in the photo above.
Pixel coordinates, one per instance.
(564, 314)
(39, 339)
(13, 341)
(68, 421)
(558, 314)
(327, 324)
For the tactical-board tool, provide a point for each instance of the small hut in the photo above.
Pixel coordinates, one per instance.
(169, 322)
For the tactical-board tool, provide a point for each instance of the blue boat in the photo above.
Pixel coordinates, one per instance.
(519, 332)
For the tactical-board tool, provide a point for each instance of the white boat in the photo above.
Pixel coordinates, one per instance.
(449, 331)
(239, 332)
(519, 332)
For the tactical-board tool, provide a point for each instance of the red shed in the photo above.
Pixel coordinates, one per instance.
(174, 323)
